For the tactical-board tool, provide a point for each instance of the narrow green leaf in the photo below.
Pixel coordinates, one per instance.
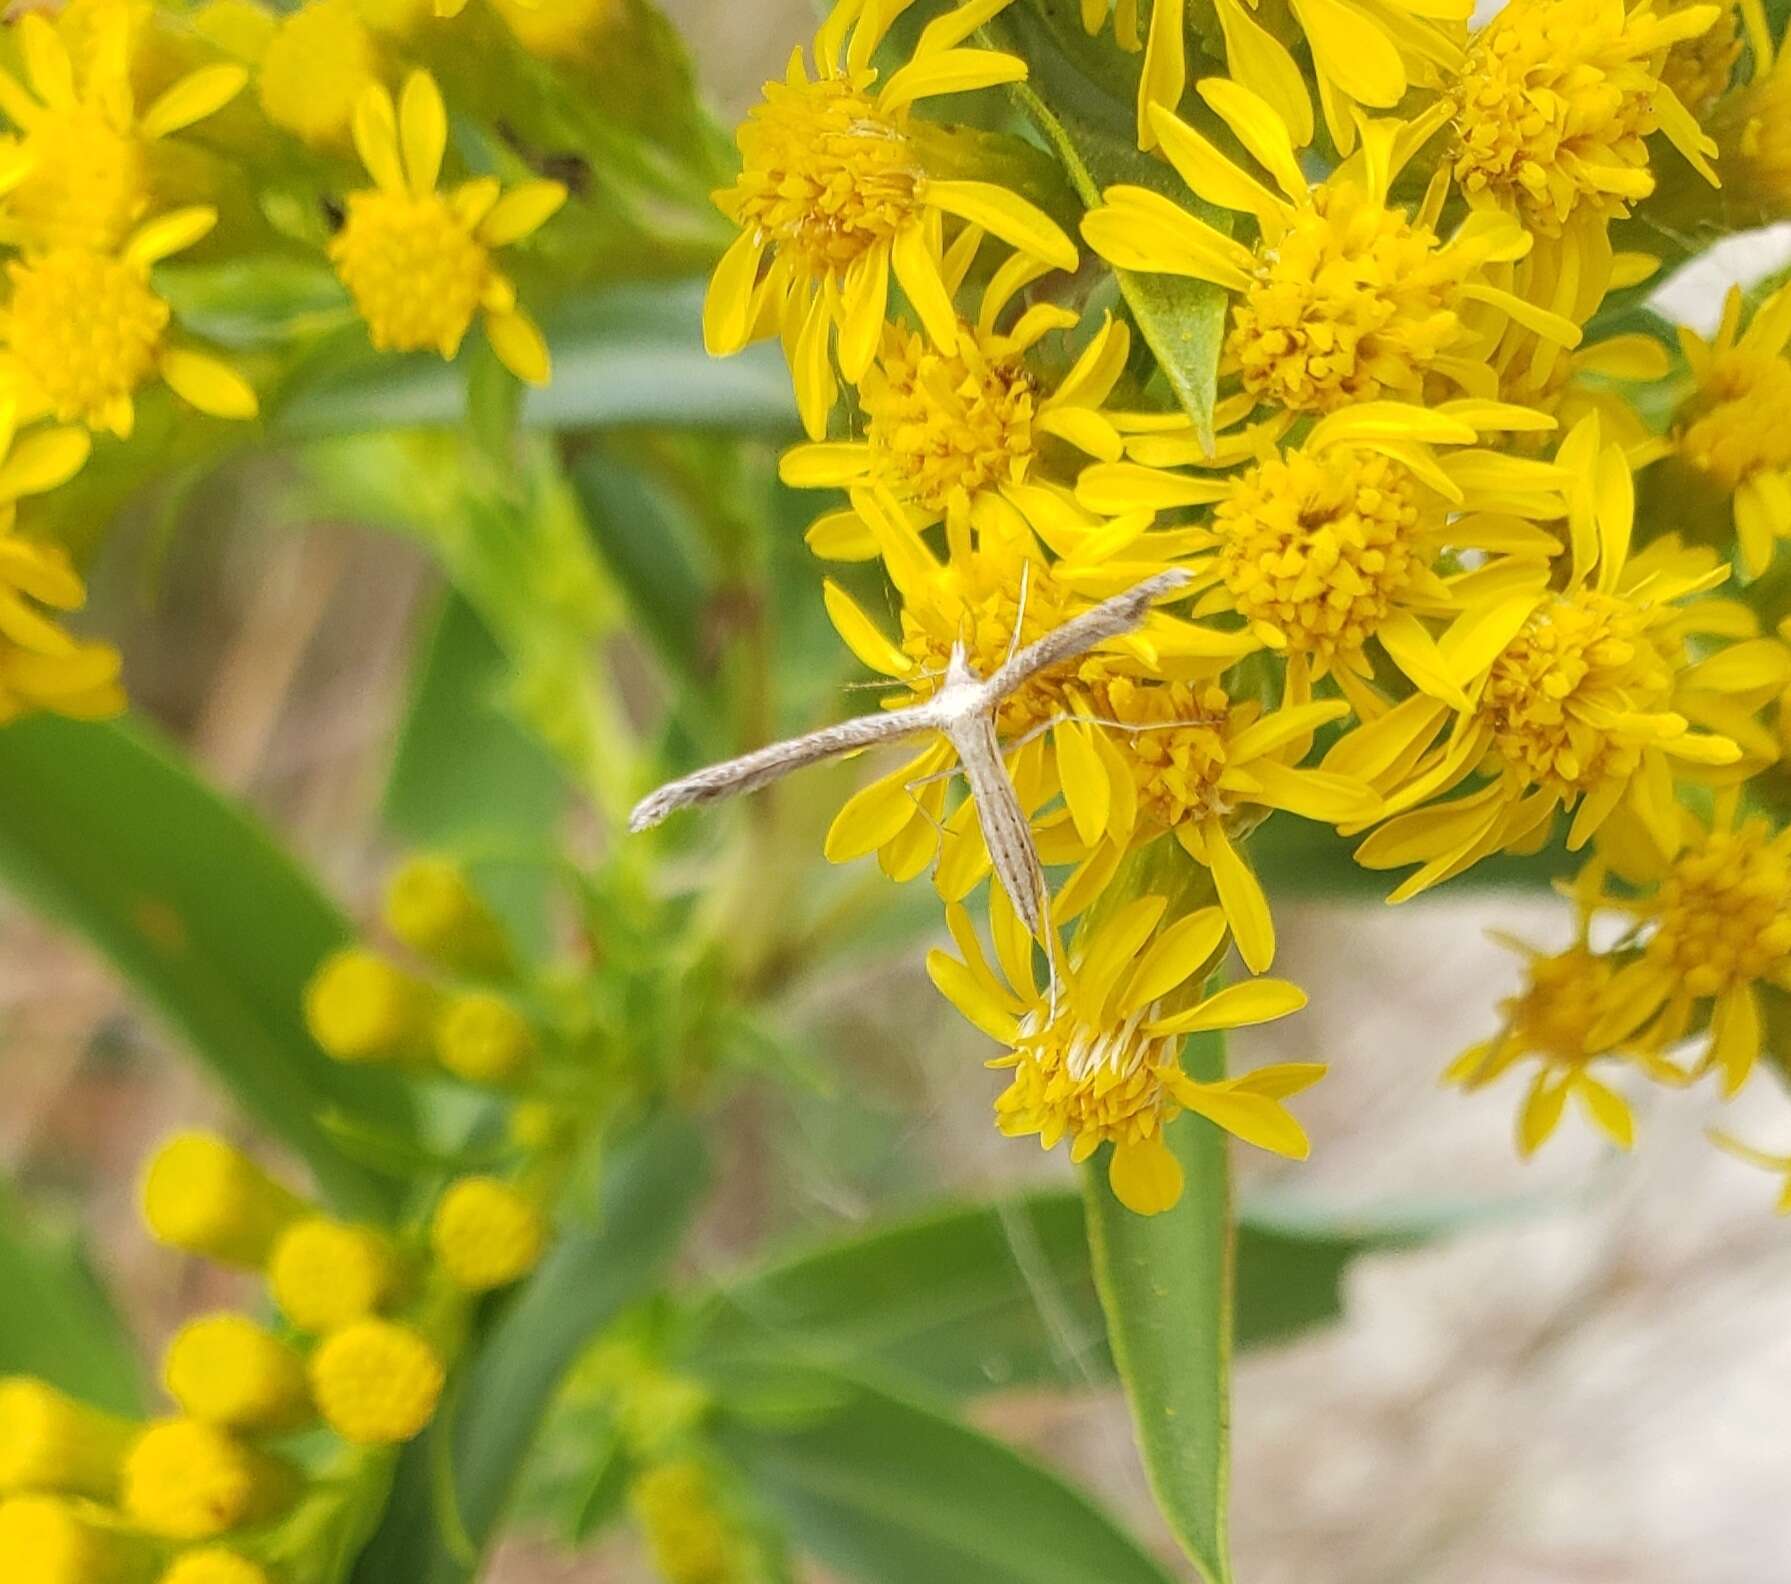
(102, 830)
(1094, 135)
(888, 1492)
(650, 1185)
(982, 1297)
(57, 1322)
(1166, 1283)
(622, 355)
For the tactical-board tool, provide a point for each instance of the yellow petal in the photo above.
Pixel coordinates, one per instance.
(208, 383)
(520, 346)
(967, 993)
(42, 460)
(1261, 62)
(1254, 1118)
(728, 304)
(1259, 129)
(524, 209)
(1144, 1176)
(1241, 895)
(193, 98)
(918, 272)
(1236, 1006)
(376, 137)
(423, 130)
(874, 814)
(1165, 72)
(1006, 215)
(862, 636)
(1084, 779)
(168, 234)
(948, 72)
(1177, 953)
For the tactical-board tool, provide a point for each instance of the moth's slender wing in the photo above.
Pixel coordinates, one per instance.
(764, 765)
(1011, 850)
(1120, 614)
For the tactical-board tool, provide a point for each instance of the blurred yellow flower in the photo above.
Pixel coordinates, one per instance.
(418, 261)
(486, 1234)
(47, 1540)
(204, 1196)
(835, 194)
(83, 331)
(51, 1442)
(89, 176)
(225, 1370)
(376, 1382)
(315, 64)
(1094, 1057)
(192, 1481)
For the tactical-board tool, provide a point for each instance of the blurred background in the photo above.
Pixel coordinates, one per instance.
(1583, 1384)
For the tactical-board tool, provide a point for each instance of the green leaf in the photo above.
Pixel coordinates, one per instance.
(889, 1492)
(57, 1322)
(622, 355)
(650, 1185)
(1166, 1283)
(104, 831)
(1095, 136)
(466, 777)
(973, 1298)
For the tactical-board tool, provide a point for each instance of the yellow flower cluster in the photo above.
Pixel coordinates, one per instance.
(130, 139)
(1421, 603)
(366, 1321)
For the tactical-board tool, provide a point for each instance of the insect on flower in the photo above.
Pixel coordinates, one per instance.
(964, 710)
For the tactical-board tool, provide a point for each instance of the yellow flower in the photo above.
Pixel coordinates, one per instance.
(1346, 296)
(51, 1442)
(982, 597)
(956, 435)
(315, 65)
(688, 1535)
(1715, 924)
(1095, 1058)
(225, 1370)
(1578, 698)
(1553, 112)
(49, 1541)
(486, 1234)
(325, 1274)
(835, 193)
(191, 1481)
(376, 1382)
(1731, 431)
(418, 261)
(88, 154)
(1697, 70)
(480, 1037)
(1355, 535)
(1761, 1158)
(431, 907)
(206, 1197)
(1752, 129)
(1559, 1018)
(41, 666)
(83, 331)
(214, 1565)
(361, 1008)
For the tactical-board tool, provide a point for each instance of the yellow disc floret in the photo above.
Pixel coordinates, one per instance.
(415, 269)
(361, 1008)
(690, 1538)
(48, 1541)
(51, 1442)
(486, 1234)
(1733, 427)
(226, 1370)
(1722, 914)
(87, 329)
(376, 1382)
(88, 183)
(482, 1038)
(824, 174)
(1179, 752)
(191, 1481)
(326, 1273)
(1352, 301)
(206, 1197)
(1583, 666)
(945, 427)
(1320, 547)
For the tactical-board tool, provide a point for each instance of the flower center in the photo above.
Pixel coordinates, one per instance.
(1698, 69)
(1723, 914)
(1556, 696)
(89, 182)
(1555, 106)
(557, 29)
(1739, 426)
(946, 428)
(1351, 300)
(1321, 546)
(1095, 1085)
(413, 267)
(85, 327)
(979, 604)
(1562, 1001)
(824, 174)
(1179, 753)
